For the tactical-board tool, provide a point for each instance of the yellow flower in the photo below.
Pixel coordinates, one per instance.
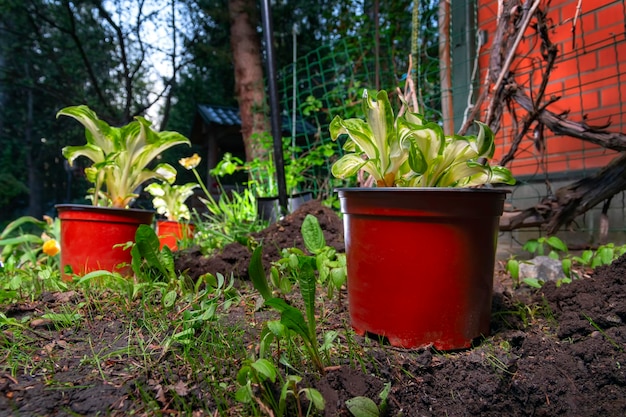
(51, 247)
(190, 162)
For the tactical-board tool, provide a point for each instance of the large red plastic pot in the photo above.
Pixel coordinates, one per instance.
(170, 232)
(420, 263)
(89, 236)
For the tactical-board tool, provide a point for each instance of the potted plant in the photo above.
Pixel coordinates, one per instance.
(94, 237)
(170, 201)
(299, 163)
(421, 243)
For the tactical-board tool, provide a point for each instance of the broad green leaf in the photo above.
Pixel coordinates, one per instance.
(315, 397)
(21, 239)
(312, 234)
(362, 407)
(244, 394)
(512, 266)
(606, 255)
(533, 282)
(290, 317)
(566, 264)
(531, 246)
(338, 276)
(147, 244)
(257, 274)
(557, 243)
(307, 281)
(265, 368)
(169, 298)
(276, 327)
(348, 165)
(15, 224)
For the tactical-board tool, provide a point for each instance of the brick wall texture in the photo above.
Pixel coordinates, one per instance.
(589, 78)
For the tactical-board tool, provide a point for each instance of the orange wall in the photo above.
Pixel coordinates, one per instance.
(590, 78)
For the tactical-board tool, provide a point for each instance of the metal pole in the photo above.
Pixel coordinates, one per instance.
(268, 33)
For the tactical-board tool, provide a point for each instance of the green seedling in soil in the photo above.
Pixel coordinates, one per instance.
(604, 255)
(113, 281)
(330, 265)
(257, 376)
(290, 317)
(571, 265)
(218, 293)
(366, 407)
(290, 388)
(513, 267)
(538, 246)
(147, 258)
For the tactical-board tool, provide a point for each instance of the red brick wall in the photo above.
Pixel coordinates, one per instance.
(590, 77)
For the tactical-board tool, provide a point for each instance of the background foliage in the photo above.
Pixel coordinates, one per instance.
(129, 57)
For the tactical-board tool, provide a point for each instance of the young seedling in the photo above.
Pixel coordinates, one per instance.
(259, 374)
(330, 265)
(538, 246)
(290, 317)
(366, 407)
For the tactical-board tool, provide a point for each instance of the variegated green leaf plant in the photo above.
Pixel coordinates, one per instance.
(121, 156)
(409, 151)
(170, 200)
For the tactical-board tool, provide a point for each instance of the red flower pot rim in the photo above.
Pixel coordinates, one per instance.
(110, 210)
(422, 189)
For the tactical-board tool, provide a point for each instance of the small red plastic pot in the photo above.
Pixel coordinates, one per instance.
(420, 263)
(170, 232)
(89, 236)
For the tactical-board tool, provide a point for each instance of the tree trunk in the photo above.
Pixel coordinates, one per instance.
(249, 84)
(445, 67)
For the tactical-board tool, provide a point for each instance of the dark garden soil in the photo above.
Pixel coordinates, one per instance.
(552, 352)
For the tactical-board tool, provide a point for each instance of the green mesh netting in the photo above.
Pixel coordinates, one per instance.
(329, 81)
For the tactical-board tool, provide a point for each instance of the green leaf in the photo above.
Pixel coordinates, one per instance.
(531, 246)
(362, 407)
(566, 264)
(63, 319)
(384, 394)
(257, 274)
(312, 234)
(169, 299)
(290, 317)
(244, 394)
(315, 397)
(512, 266)
(307, 281)
(265, 368)
(184, 337)
(533, 282)
(557, 243)
(606, 255)
(15, 224)
(338, 276)
(348, 166)
(147, 243)
(20, 240)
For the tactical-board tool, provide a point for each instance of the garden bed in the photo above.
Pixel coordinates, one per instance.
(552, 352)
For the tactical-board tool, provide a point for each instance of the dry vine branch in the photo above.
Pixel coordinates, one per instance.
(574, 199)
(502, 92)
